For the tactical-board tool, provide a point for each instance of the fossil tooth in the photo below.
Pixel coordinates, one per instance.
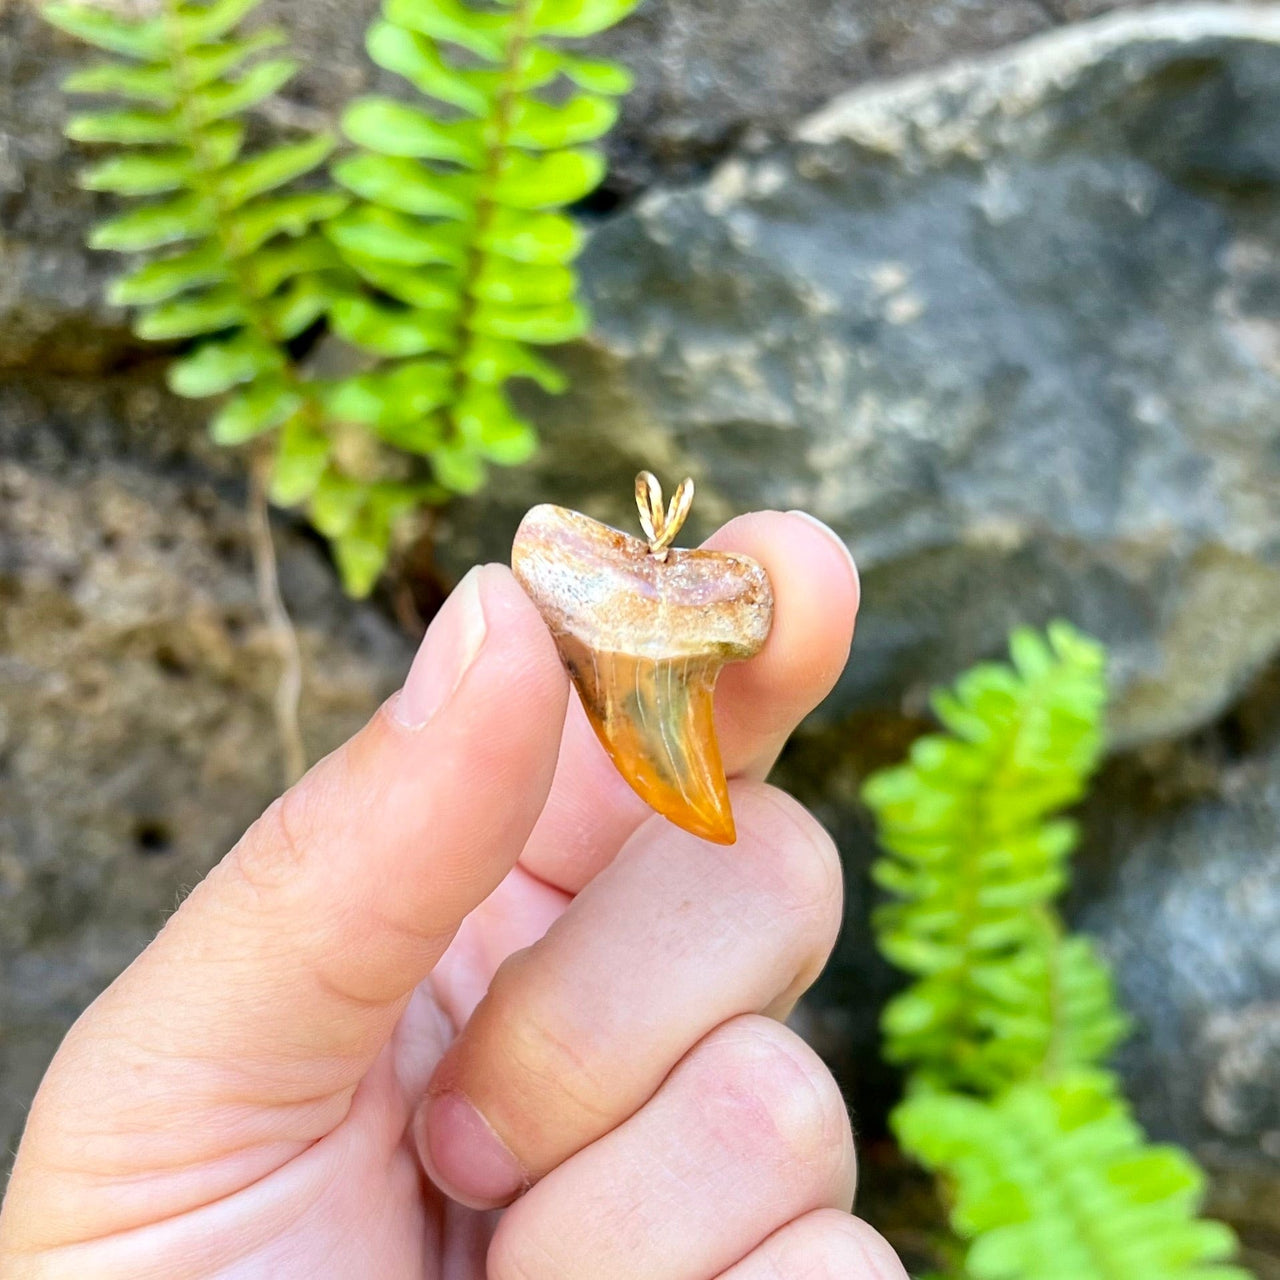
(644, 631)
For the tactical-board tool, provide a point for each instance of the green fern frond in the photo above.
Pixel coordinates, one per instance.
(445, 257)
(233, 258)
(973, 857)
(456, 227)
(235, 263)
(1055, 1181)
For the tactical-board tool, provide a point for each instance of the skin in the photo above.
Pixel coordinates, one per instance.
(458, 1005)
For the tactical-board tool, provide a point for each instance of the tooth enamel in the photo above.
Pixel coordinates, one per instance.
(644, 640)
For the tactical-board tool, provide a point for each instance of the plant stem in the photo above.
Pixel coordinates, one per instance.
(500, 122)
(280, 626)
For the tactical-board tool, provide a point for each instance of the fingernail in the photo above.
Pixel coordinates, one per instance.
(833, 535)
(450, 646)
(464, 1156)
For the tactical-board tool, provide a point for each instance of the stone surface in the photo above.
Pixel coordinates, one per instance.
(1178, 881)
(709, 72)
(136, 731)
(1011, 329)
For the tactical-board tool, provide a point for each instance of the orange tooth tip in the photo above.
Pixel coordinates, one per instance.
(644, 633)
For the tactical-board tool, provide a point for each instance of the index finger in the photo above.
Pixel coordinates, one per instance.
(591, 811)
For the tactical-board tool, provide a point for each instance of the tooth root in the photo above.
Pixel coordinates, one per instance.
(655, 719)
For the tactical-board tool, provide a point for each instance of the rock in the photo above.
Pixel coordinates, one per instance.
(1010, 328)
(1178, 883)
(51, 308)
(136, 731)
(708, 73)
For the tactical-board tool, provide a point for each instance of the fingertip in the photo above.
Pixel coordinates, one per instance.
(816, 595)
(511, 613)
(837, 544)
(774, 818)
(487, 606)
(463, 1155)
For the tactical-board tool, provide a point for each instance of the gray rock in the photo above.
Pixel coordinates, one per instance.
(136, 731)
(1010, 328)
(1179, 885)
(709, 72)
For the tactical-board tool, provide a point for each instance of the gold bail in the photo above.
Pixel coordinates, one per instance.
(661, 525)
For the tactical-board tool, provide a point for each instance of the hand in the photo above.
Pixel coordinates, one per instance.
(446, 949)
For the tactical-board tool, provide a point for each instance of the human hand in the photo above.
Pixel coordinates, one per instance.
(442, 917)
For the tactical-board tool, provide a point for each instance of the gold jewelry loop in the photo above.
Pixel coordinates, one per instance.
(661, 525)
(649, 502)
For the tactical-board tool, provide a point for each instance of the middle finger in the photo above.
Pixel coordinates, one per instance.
(674, 938)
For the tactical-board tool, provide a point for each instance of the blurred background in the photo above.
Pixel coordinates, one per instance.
(990, 286)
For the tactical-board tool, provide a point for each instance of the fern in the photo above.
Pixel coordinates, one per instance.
(236, 263)
(456, 228)
(1008, 1017)
(974, 857)
(1055, 1182)
(448, 265)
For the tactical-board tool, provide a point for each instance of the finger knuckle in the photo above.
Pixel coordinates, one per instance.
(798, 866)
(551, 1059)
(271, 854)
(759, 1083)
(288, 839)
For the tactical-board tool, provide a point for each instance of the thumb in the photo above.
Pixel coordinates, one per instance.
(271, 991)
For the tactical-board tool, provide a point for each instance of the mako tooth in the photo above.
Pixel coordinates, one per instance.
(644, 634)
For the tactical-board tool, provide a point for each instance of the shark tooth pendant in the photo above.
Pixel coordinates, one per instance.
(644, 630)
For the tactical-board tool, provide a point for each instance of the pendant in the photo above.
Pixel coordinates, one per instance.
(644, 629)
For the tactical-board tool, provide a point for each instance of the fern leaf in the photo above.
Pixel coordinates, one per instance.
(391, 332)
(401, 185)
(287, 259)
(154, 173)
(126, 126)
(264, 405)
(98, 26)
(581, 17)
(185, 217)
(457, 220)
(200, 24)
(301, 459)
(268, 170)
(235, 266)
(972, 860)
(211, 311)
(215, 367)
(1055, 1181)
(113, 79)
(549, 180)
(166, 278)
(397, 129)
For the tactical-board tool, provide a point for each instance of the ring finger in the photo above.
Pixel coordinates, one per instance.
(748, 1134)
